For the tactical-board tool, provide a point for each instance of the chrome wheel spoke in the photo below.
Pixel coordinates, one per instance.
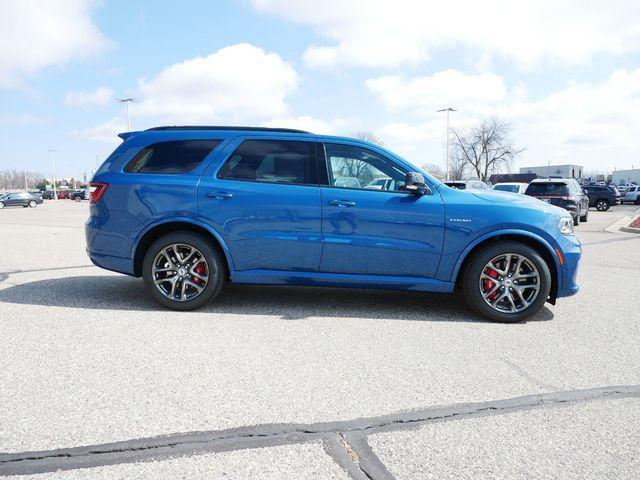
(177, 279)
(516, 286)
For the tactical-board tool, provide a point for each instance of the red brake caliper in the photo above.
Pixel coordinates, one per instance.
(488, 284)
(200, 271)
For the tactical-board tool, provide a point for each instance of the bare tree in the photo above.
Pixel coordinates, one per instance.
(485, 148)
(368, 137)
(15, 179)
(434, 169)
(457, 168)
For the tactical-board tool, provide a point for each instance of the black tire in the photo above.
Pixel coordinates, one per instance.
(585, 218)
(576, 221)
(473, 271)
(77, 199)
(32, 204)
(214, 260)
(602, 205)
(637, 202)
(26, 205)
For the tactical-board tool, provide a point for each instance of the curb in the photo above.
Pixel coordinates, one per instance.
(629, 229)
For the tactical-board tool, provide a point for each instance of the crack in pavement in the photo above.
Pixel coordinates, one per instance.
(260, 436)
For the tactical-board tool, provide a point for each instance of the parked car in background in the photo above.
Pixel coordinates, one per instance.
(513, 187)
(468, 185)
(632, 194)
(347, 182)
(190, 208)
(562, 192)
(20, 199)
(63, 194)
(601, 197)
(47, 194)
(383, 184)
(79, 195)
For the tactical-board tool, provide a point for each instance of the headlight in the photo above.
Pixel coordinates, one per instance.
(566, 225)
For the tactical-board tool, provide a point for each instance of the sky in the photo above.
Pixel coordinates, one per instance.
(565, 74)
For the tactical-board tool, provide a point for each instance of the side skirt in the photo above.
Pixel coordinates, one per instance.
(317, 279)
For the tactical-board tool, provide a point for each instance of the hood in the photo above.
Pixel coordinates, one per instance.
(508, 198)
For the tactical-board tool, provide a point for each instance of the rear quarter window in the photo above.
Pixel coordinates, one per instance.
(171, 157)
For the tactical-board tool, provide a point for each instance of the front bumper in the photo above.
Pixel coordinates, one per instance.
(571, 252)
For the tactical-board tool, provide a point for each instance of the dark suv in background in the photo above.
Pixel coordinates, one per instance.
(601, 197)
(562, 192)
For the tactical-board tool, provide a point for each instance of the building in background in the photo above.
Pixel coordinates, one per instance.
(626, 176)
(563, 171)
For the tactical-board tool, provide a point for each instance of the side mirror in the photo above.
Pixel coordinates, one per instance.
(414, 183)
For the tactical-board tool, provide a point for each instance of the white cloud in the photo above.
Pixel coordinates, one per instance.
(426, 94)
(23, 119)
(380, 33)
(105, 132)
(36, 34)
(595, 124)
(100, 97)
(307, 123)
(240, 83)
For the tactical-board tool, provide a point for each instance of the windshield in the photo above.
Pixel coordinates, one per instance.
(548, 189)
(507, 188)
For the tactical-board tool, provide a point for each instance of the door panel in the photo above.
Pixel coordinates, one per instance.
(381, 233)
(370, 224)
(267, 225)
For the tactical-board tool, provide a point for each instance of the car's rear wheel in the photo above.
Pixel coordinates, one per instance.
(183, 271)
(507, 282)
(32, 204)
(602, 205)
(576, 220)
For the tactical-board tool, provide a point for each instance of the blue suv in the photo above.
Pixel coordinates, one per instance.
(189, 208)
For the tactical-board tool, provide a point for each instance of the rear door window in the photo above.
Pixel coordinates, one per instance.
(171, 157)
(272, 161)
(548, 189)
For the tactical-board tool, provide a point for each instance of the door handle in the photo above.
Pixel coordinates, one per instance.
(219, 195)
(342, 203)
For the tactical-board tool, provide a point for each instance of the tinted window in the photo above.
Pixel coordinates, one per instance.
(542, 189)
(171, 157)
(273, 161)
(506, 188)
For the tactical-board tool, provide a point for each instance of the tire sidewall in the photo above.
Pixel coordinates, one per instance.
(472, 276)
(602, 205)
(214, 260)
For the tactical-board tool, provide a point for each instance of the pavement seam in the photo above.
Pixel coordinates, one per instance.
(368, 462)
(260, 436)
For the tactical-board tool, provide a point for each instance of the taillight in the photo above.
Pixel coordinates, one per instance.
(96, 190)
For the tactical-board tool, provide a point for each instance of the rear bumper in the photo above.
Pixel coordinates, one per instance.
(108, 262)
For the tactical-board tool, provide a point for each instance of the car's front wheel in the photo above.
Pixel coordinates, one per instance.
(183, 271)
(77, 199)
(1, 204)
(32, 204)
(507, 282)
(602, 205)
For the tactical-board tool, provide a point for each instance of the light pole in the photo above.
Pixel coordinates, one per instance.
(53, 173)
(26, 184)
(127, 101)
(448, 110)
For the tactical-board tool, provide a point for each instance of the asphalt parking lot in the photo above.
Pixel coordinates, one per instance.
(274, 382)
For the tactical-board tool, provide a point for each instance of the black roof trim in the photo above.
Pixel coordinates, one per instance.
(213, 127)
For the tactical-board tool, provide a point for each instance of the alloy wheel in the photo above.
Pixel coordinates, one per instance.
(509, 283)
(180, 272)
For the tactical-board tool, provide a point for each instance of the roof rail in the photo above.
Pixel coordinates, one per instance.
(213, 127)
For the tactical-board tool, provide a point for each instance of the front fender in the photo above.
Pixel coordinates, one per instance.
(509, 231)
